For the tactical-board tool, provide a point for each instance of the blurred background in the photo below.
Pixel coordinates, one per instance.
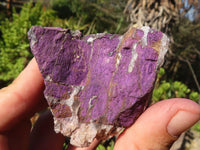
(179, 19)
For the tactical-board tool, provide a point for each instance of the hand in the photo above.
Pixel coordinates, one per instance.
(157, 128)
(18, 102)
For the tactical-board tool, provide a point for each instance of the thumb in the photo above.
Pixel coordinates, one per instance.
(160, 125)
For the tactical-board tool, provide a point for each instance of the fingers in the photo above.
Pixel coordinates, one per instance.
(22, 98)
(17, 138)
(160, 125)
(43, 136)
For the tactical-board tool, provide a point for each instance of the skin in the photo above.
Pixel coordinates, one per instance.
(156, 129)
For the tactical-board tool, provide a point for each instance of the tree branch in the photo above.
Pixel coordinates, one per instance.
(192, 71)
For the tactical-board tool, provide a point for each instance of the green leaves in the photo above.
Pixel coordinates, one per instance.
(194, 96)
(101, 147)
(161, 72)
(14, 47)
(197, 127)
(109, 147)
(172, 89)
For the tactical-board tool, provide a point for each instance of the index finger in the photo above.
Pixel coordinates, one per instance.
(23, 97)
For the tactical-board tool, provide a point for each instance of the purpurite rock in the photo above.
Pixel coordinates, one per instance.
(100, 83)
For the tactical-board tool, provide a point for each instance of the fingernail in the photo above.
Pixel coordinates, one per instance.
(182, 121)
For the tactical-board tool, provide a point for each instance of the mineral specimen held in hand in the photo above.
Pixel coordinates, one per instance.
(99, 83)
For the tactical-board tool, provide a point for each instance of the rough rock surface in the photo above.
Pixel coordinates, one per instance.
(100, 83)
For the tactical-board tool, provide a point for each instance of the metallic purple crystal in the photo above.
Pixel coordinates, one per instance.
(99, 79)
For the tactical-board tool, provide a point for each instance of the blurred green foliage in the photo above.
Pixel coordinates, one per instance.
(14, 45)
(110, 146)
(100, 147)
(94, 14)
(65, 146)
(172, 89)
(197, 127)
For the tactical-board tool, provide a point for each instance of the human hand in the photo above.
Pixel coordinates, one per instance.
(18, 102)
(157, 128)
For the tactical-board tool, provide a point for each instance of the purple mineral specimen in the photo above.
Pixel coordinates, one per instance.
(99, 83)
